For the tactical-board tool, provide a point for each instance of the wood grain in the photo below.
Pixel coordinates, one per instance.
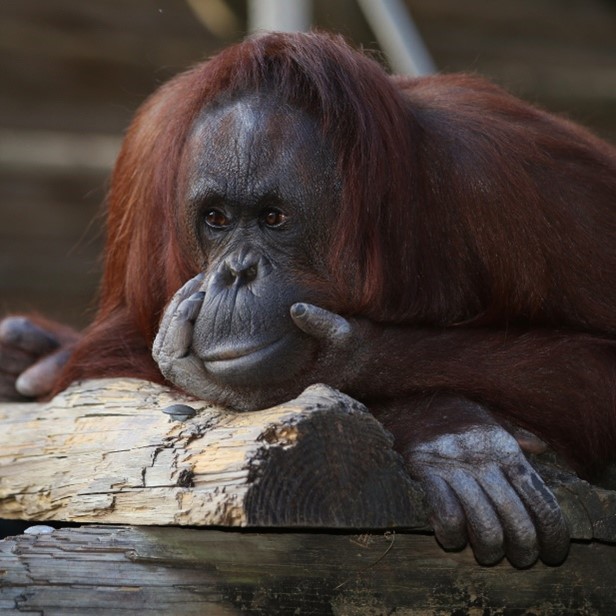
(104, 451)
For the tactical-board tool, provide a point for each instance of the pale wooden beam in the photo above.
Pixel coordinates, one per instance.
(104, 451)
(57, 151)
(279, 15)
(398, 36)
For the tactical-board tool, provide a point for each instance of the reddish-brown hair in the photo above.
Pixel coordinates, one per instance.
(444, 180)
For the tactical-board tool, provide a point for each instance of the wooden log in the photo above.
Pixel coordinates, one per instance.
(128, 570)
(103, 451)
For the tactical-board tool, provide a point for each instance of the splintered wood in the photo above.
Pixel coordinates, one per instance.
(104, 451)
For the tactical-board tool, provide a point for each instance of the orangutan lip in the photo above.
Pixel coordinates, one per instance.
(234, 354)
(241, 363)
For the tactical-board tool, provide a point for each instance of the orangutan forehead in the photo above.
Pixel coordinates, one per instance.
(252, 135)
(256, 116)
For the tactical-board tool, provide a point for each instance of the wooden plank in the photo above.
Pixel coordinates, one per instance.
(117, 570)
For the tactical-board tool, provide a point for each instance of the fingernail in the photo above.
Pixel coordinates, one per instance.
(298, 310)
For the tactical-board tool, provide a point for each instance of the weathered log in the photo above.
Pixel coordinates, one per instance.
(104, 451)
(129, 570)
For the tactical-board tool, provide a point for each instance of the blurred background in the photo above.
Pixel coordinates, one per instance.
(73, 72)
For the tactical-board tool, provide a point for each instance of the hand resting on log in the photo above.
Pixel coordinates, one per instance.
(33, 352)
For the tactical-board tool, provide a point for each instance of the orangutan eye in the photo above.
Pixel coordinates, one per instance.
(273, 217)
(217, 219)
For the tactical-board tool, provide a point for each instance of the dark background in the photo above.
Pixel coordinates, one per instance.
(74, 71)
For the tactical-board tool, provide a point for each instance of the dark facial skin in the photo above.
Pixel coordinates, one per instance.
(257, 326)
(261, 192)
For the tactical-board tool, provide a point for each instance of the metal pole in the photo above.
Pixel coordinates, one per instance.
(280, 15)
(398, 36)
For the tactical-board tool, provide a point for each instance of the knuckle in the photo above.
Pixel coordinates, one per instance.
(525, 536)
(449, 522)
(450, 538)
(11, 328)
(486, 532)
